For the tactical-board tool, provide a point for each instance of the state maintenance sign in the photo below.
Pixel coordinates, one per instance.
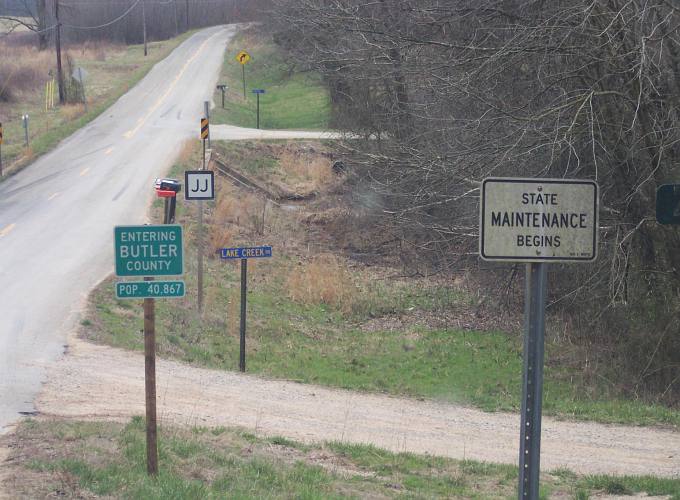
(149, 250)
(535, 220)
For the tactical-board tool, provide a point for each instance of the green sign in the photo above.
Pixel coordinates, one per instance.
(668, 204)
(149, 250)
(149, 289)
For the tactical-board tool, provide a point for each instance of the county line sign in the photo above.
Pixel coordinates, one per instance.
(149, 250)
(537, 220)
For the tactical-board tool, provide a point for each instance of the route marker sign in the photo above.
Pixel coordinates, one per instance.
(243, 57)
(538, 220)
(668, 204)
(149, 289)
(149, 250)
(246, 252)
(200, 185)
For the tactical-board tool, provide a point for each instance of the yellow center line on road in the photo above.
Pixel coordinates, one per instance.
(131, 133)
(109, 151)
(7, 230)
(85, 171)
(53, 196)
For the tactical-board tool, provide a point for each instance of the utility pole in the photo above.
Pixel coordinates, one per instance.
(176, 20)
(187, 15)
(144, 29)
(57, 43)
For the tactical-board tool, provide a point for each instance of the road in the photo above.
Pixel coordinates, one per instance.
(57, 216)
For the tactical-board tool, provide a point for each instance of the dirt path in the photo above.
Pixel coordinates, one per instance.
(98, 382)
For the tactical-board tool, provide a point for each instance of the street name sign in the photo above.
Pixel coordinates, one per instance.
(199, 185)
(149, 289)
(149, 250)
(668, 204)
(246, 252)
(538, 220)
(259, 91)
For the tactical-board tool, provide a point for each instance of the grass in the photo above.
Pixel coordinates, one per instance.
(293, 99)
(81, 459)
(314, 318)
(112, 70)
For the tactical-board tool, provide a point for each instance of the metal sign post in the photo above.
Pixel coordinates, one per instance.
(1, 140)
(243, 254)
(24, 121)
(242, 324)
(536, 221)
(243, 57)
(205, 134)
(532, 383)
(222, 87)
(257, 92)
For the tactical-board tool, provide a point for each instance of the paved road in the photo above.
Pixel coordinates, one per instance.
(57, 216)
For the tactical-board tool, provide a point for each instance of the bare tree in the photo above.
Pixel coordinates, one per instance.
(457, 91)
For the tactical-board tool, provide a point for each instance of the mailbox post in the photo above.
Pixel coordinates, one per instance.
(222, 87)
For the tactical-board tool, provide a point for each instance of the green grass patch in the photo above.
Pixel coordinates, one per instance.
(81, 459)
(293, 99)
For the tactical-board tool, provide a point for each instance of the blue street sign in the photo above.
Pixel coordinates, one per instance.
(246, 253)
(258, 91)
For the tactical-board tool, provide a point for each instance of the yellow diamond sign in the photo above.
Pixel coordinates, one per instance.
(243, 57)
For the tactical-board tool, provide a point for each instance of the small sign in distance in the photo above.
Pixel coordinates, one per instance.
(199, 185)
(243, 57)
(246, 252)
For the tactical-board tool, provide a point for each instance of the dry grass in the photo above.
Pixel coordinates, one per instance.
(235, 208)
(72, 111)
(96, 50)
(187, 151)
(23, 69)
(305, 173)
(322, 280)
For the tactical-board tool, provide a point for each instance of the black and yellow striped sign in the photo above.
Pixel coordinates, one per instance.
(0, 133)
(204, 128)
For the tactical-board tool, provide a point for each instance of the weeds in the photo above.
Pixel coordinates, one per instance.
(108, 459)
(324, 279)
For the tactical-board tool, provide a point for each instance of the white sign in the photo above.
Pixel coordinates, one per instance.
(79, 75)
(199, 185)
(534, 220)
